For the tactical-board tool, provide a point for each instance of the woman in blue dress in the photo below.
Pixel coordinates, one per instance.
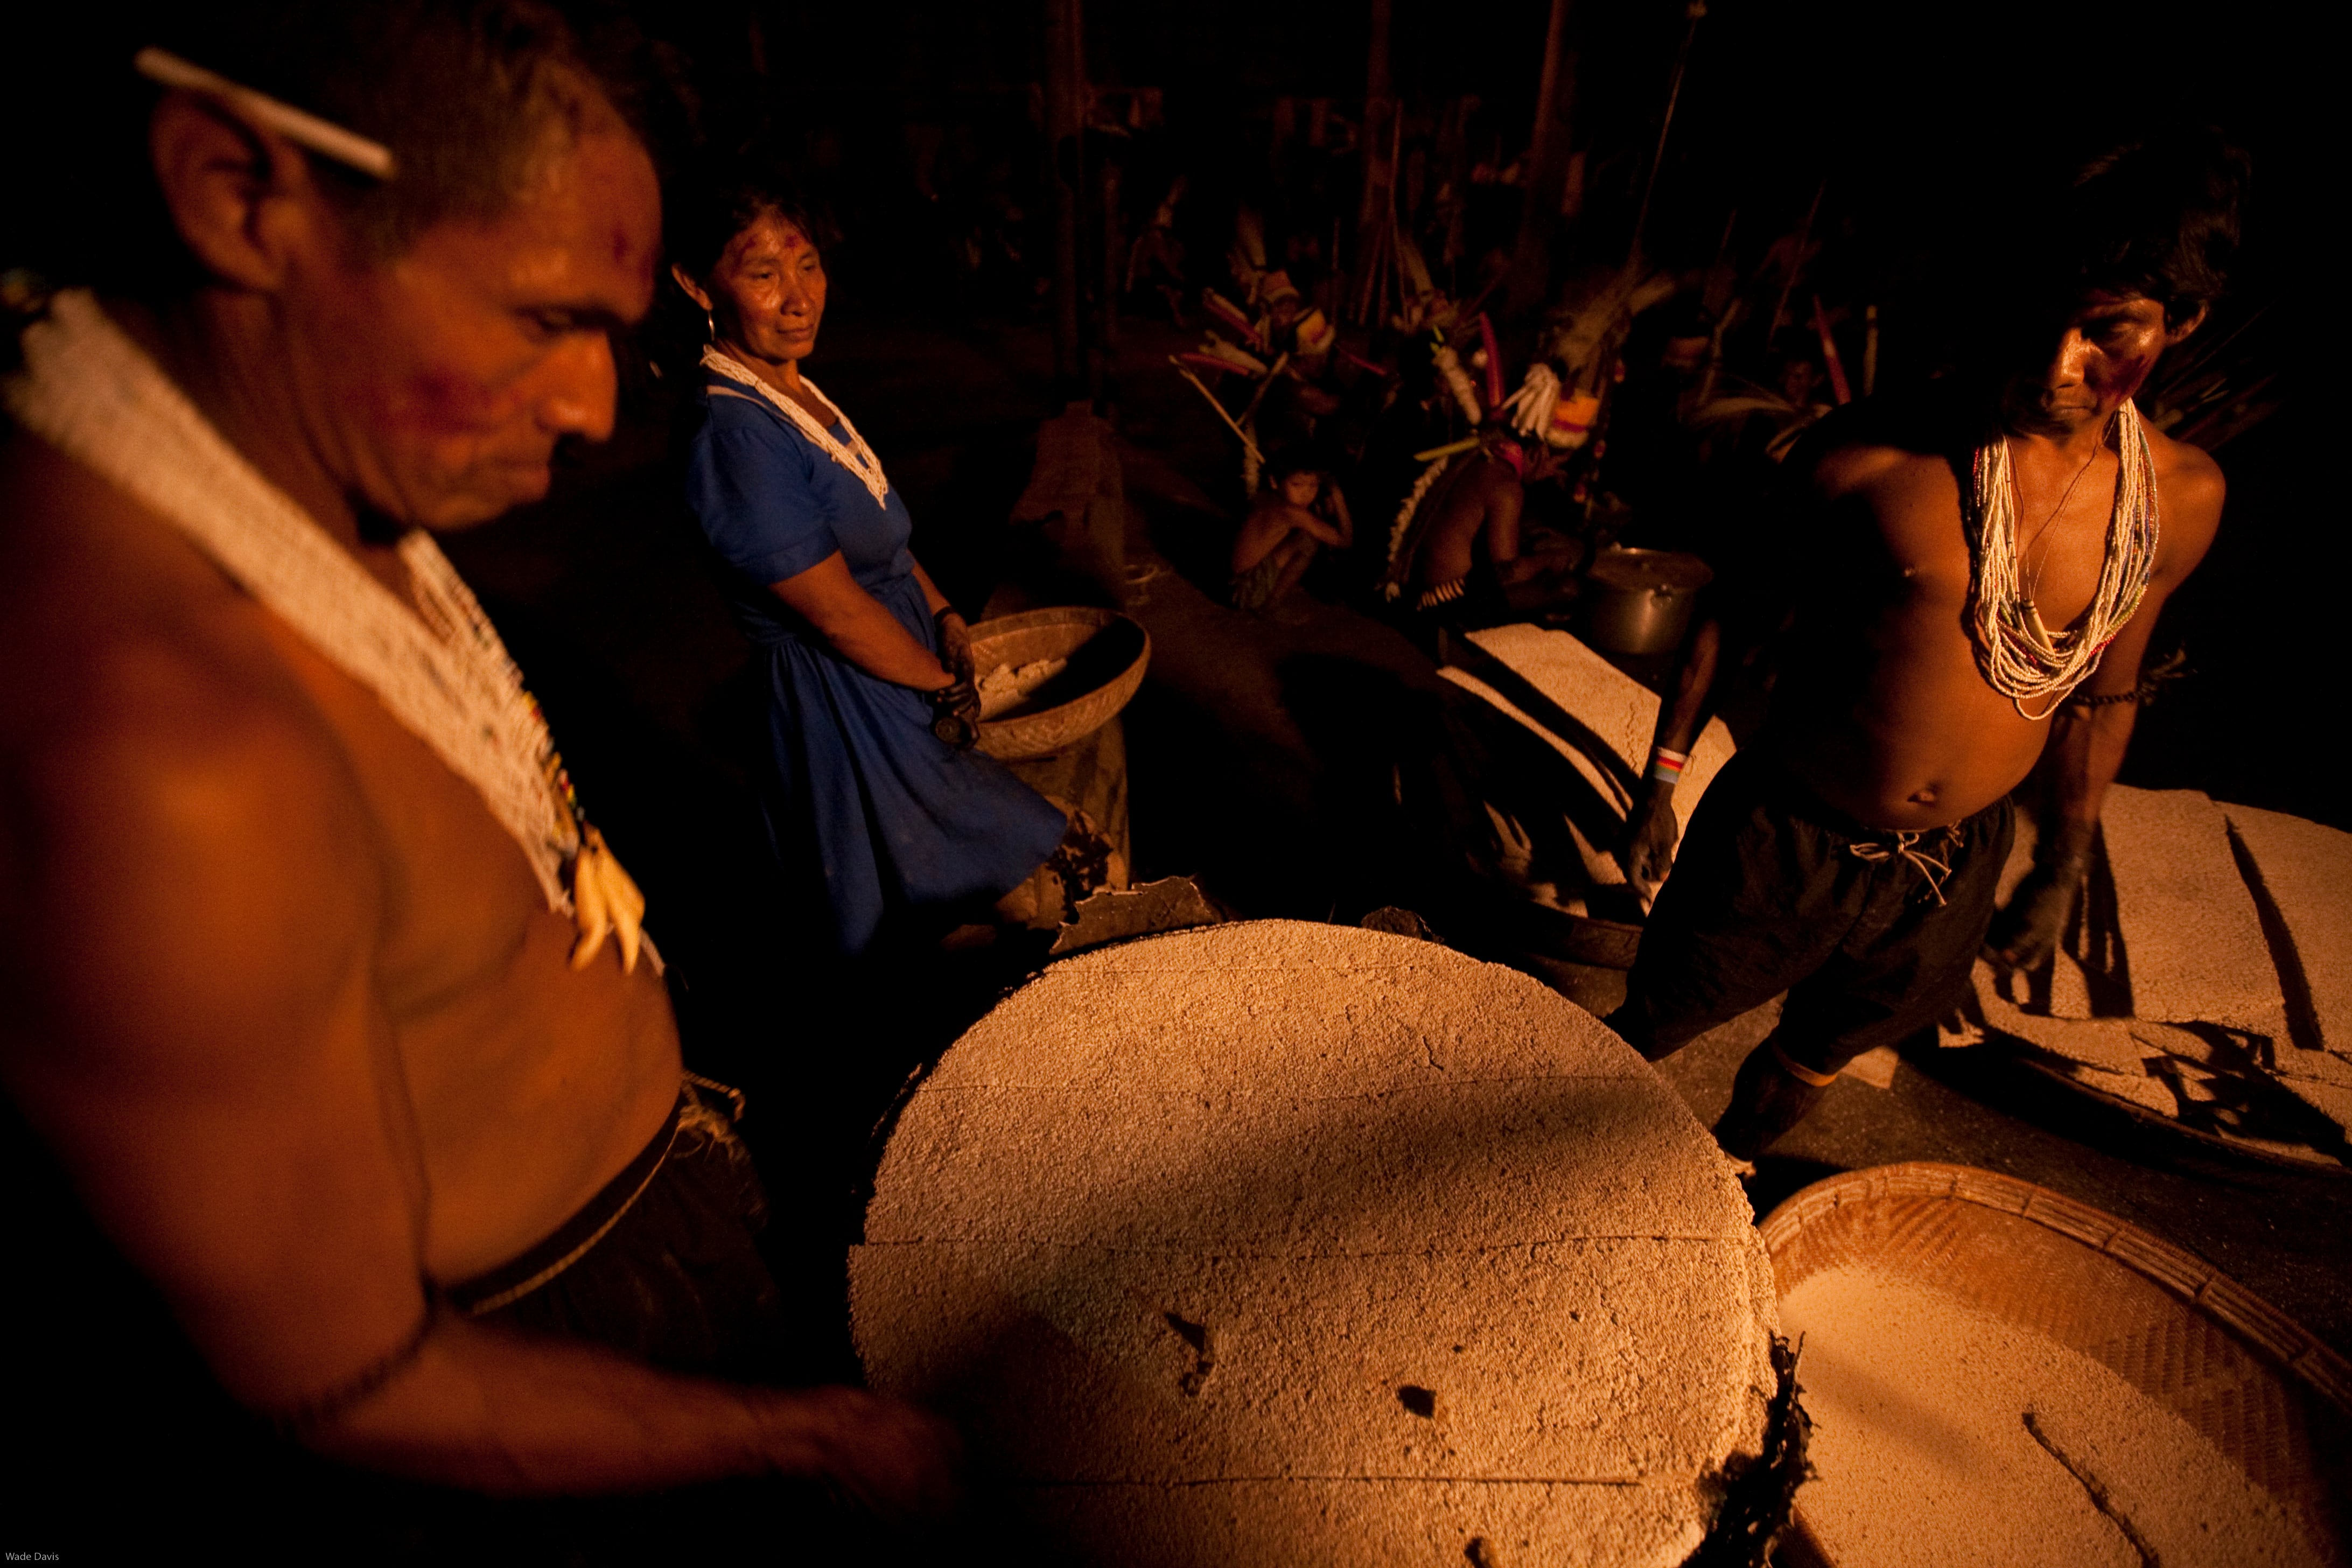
(872, 714)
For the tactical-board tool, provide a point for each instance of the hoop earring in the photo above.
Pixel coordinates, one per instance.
(710, 325)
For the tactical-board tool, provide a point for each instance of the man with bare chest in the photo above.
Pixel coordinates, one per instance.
(1982, 574)
(315, 988)
(1465, 553)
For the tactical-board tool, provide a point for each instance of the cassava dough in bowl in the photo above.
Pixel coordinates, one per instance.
(1946, 1436)
(1998, 1373)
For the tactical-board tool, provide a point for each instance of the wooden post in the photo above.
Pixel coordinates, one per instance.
(1696, 9)
(1378, 106)
(1066, 89)
(1113, 275)
(1795, 264)
(1547, 178)
(1375, 247)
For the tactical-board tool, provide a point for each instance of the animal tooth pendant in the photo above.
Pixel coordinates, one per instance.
(604, 901)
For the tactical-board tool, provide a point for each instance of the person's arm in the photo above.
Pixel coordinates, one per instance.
(1651, 829)
(189, 1019)
(1505, 499)
(1346, 524)
(955, 635)
(1554, 561)
(512, 1415)
(858, 627)
(1304, 519)
(2088, 738)
(1737, 618)
(932, 598)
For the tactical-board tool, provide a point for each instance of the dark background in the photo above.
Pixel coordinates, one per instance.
(1914, 123)
(917, 129)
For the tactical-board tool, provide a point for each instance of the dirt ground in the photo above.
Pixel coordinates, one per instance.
(1260, 754)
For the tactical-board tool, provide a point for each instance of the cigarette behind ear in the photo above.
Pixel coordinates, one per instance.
(322, 137)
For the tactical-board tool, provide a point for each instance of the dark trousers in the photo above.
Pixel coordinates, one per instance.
(663, 1265)
(1870, 931)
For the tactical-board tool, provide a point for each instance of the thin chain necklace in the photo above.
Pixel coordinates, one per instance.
(2019, 654)
(438, 665)
(855, 456)
(2072, 486)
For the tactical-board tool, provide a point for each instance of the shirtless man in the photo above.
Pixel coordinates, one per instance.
(1849, 854)
(280, 998)
(1460, 565)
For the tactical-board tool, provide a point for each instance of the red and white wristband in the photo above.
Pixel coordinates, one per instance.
(1666, 767)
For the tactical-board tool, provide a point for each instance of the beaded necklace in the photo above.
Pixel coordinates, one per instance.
(437, 664)
(2019, 656)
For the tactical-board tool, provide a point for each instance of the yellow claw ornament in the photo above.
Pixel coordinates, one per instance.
(604, 901)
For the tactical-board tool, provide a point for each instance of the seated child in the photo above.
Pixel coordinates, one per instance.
(1299, 509)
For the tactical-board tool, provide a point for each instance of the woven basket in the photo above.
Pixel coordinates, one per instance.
(1107, 653)
(2249, 1379)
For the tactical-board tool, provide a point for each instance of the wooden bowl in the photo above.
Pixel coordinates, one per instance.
(1107, 653)
(2246, 1377)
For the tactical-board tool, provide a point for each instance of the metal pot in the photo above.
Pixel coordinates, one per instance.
(1639, 601)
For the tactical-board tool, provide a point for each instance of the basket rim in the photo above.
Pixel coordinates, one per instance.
(1051, 616)
(1028, 736)
(2295, 1348)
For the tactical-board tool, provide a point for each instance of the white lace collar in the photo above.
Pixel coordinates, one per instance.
(855, 454)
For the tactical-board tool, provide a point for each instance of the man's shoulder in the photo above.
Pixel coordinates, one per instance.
(169, 732)
(2189, 483)
(158, 707)
(1470, 487)
(1494, 473)
(143, 708)
(1916, 437)
(1857, 467)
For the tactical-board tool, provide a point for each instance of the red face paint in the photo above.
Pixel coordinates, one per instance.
(2105, 352)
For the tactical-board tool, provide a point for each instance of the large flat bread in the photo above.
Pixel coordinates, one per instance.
(1281, 1242)
(1617, 711)
(2191, 934)
(2304, 870)
(2232, 928)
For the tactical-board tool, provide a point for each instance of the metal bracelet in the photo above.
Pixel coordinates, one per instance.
(950, 723)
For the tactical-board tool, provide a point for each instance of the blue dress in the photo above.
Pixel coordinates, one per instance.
(892, 817)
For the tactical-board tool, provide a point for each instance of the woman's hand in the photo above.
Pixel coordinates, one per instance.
(955, 644)
(955, 714)
(955, 706)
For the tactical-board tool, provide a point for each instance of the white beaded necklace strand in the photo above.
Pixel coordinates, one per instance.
(438, 667)
(2019, 656)
(857, 457)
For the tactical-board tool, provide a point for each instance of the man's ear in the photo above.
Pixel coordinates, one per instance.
(694, 290)
(2173, 335)
(241, 197)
